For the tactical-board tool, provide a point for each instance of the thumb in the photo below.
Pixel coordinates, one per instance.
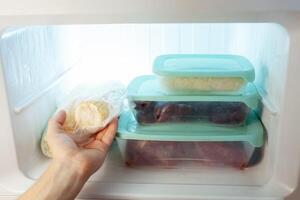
(60, 117)
(56, 122)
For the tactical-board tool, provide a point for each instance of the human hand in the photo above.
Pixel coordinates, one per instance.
(75, 159)
(87, 153)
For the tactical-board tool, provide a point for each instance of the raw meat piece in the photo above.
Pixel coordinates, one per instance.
(217, 112)
(165, 112)
(222, 153)
(230, 113)
(170, 154)
(144, 105)
(145, 153)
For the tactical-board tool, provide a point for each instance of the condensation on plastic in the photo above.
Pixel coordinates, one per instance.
(35, 58)
(111, 94)
(171, 154)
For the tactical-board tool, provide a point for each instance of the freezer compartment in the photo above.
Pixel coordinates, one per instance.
(203, 73)
(176, 154)
(32, 84)
(224, 113)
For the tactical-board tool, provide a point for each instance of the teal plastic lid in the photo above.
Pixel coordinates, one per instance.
(253, 132)
(204, 65)
(147, 88)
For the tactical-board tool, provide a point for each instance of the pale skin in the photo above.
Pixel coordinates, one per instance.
(74, 161)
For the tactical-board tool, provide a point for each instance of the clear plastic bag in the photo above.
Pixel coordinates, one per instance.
(89, 109)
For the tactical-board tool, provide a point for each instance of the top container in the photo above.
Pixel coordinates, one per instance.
(201, 73)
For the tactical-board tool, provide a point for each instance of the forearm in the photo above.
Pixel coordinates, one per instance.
(61, 181)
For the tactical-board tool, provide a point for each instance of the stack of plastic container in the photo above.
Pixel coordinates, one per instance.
(198, 110)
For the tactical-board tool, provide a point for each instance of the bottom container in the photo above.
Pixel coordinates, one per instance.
(170, 154)
(199, 145)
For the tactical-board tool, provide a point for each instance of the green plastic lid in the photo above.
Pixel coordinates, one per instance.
(203, 65)
(147, 88)
(130, 130)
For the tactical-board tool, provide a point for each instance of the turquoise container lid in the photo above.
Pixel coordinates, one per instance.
(253, 132)
(147, 88)
(204, 65)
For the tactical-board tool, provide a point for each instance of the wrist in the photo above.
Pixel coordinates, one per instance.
(70, 166)
(83, 163)
(63, 180)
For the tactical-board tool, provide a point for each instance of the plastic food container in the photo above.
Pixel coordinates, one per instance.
(151, 106)
(200, 73)
(192, 145)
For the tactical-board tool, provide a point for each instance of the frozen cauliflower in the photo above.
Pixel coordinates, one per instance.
(86, 117)
(83, 118)
(202, 83)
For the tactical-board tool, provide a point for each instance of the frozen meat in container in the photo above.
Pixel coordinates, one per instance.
(151, 106)
(203, 73)
(190, 145)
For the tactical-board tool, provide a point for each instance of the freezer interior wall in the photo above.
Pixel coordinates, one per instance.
(42, 62)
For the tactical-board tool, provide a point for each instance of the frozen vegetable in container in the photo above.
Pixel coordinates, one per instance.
(202, 73)
(151, 106)
(190, 145)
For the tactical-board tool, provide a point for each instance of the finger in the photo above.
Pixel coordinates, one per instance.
(55, 123)
(81, 139)
(110, 132)
(60, 117)
(86, 142)
(96, 144)
(100, 134)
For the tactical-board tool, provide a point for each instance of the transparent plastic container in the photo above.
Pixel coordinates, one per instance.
(172, 154)
(192, 145)
(225, 113)
(151, 106)
(203, 73)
